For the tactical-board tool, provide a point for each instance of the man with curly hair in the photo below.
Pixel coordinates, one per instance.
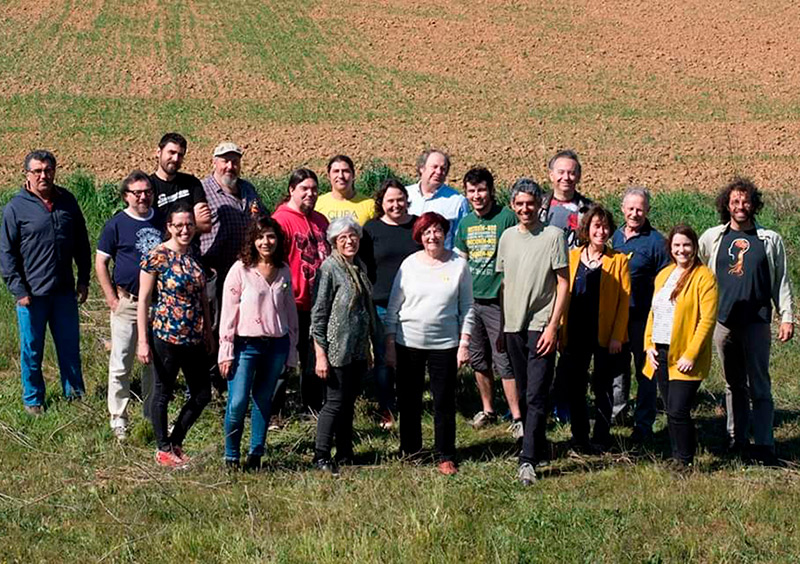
(749, 262)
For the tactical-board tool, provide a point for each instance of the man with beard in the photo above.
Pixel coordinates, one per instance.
(233, 203)
(432, 194)
(749, 262)
(172, 186)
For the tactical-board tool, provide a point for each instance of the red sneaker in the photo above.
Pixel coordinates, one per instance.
(180, 454)
(448, 468)
(387, 420)
(169, 459)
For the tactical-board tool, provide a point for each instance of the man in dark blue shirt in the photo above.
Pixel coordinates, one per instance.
(125, 239)
(43, 233)
(647, 254)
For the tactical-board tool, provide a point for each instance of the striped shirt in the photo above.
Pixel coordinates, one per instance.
(664, 310)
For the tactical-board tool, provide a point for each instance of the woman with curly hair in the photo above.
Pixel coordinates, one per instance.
(257, 336)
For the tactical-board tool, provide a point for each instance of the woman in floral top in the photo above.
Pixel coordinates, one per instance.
(181, 331)
(257, 336)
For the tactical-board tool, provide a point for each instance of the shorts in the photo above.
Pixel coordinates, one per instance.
(483, 351)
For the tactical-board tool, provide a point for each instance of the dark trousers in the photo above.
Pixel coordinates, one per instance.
(168, 359)
(534, 375)
(443, 369)
(336, 416)
(312, 388)
(678, 396)
(573, 368)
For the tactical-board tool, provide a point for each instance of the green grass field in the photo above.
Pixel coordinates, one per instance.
(677, 96)
(68, 492)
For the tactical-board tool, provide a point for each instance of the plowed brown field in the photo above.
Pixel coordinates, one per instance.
(669, 94)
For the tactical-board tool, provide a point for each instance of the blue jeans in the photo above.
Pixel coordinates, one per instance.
(257, 364)
(384, 376)
(60, 312)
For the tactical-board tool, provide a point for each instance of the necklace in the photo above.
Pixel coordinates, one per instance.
(590, 262)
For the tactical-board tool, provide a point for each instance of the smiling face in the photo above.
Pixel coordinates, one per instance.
(139, 197)
(170, 158)
(266, 244)
(227, 168)
(342, 177)
(347, 243)
(479, 196)
(599, 232)
(565, 177)
(682, 250)
(740, 206)
(304, 195)
(181, 228)
(394, 204)
(433, 240)
(526, 206)
(433, 173)
(634, 208)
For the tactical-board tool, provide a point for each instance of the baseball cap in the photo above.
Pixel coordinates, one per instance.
(227, 147)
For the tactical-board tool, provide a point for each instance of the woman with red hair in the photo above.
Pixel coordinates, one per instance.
(428, 324)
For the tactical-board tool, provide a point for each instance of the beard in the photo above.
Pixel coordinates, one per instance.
(228, 180)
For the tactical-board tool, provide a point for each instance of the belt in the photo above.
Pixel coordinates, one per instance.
(487, 301)
(123, 293)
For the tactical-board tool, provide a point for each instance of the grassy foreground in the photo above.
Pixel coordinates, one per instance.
(68, 492)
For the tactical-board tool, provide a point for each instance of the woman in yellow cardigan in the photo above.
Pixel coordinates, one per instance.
(678, 336)
(595, 325)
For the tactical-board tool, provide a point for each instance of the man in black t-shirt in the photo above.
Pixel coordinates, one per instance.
(749, 262)
(172, 186)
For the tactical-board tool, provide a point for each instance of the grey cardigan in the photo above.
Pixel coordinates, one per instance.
(342, 324)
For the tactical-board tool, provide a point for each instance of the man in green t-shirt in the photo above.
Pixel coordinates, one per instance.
(534, 263)
(476, 240)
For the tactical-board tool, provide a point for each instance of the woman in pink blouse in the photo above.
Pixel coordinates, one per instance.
(257, 336)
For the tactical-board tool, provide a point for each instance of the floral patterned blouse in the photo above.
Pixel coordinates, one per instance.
(177, 313)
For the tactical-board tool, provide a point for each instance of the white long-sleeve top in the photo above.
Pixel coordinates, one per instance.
(430, 306)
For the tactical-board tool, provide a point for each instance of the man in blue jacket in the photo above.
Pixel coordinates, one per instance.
(43, 233)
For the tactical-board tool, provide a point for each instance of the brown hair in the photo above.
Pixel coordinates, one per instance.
(260, 225)
(605, 216)
(689, 233)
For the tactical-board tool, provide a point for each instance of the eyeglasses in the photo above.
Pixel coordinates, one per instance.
(140, 193)
(182, 226)
(49, 171)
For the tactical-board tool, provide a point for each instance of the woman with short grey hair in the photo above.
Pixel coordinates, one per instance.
(343, 322)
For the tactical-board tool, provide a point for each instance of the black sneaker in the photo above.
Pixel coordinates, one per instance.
(328, 466)
(765, 456)
(252, 463)
(231, 465)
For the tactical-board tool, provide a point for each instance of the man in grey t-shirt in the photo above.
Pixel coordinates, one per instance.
(534, 297)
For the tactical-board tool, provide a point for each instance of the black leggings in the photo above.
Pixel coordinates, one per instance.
(167, 360)
(443, 368)
(678, 396)
(336, 415)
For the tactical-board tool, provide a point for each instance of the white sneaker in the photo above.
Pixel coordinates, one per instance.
(121, 433)
(526, 474)
(516, 430)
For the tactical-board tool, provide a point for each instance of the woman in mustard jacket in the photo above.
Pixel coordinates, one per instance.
(595, 325)
(678, 336)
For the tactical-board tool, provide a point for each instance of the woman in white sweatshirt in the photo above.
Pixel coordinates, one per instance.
(428, 324)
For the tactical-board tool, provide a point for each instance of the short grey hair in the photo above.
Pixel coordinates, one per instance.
(526, 186)
(340, 225)
(640, 191)
(39, 155)
(565, 154)
(423, 158)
